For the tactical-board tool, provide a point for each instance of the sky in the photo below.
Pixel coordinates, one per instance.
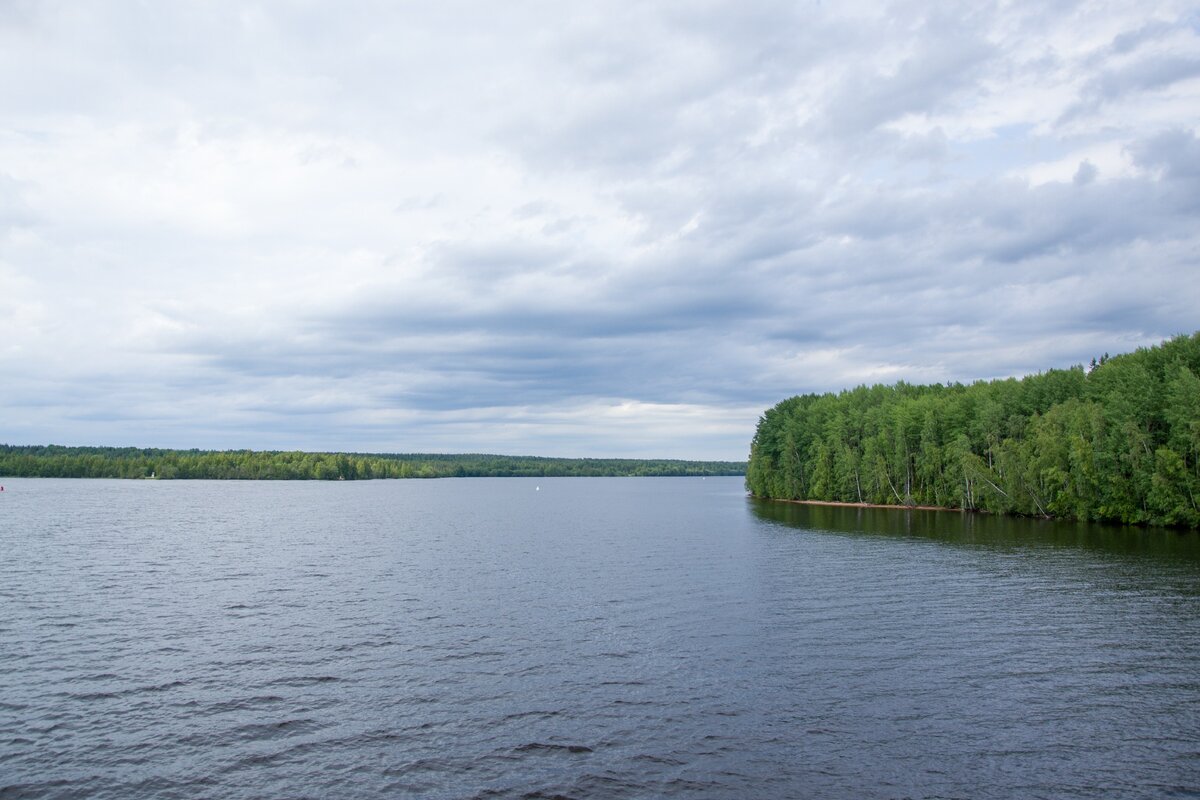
(610, 229)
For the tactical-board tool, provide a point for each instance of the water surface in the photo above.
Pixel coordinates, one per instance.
(581, 637)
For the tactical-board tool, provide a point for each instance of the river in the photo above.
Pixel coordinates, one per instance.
(584, 638)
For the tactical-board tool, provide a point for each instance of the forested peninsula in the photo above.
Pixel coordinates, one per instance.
(54, 461)
(1117, 441)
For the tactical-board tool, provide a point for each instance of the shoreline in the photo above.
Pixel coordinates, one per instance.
(893, 506)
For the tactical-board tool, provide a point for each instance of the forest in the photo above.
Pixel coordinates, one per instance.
(56, 461)
(1116, 441)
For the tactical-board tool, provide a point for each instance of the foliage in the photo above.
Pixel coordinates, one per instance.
(55, 461)
(1118, 442)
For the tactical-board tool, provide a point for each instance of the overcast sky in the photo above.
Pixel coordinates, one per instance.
(578, 229)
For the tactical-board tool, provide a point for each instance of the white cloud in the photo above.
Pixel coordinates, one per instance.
(588, 229)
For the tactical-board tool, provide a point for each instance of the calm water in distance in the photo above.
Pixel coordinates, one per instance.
(586, 638)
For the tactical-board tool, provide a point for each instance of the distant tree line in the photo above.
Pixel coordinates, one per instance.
(1119, 442)
(56, 461)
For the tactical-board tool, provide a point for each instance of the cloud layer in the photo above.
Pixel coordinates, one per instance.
(600, 229)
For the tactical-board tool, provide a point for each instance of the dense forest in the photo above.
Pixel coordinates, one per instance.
(54, 461)
(1117, 441)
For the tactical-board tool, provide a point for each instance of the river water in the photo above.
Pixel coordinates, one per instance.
(584, 638)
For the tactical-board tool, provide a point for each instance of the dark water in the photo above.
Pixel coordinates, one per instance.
(596, 638)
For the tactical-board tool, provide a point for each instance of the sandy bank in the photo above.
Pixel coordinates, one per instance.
(892, 506)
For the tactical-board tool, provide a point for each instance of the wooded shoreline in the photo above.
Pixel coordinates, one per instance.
(892, 506)
(57, 461)
(1117, 441)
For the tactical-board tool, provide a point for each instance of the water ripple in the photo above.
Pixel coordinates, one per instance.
(597, 639)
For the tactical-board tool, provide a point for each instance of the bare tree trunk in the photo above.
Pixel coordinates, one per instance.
(899, 499)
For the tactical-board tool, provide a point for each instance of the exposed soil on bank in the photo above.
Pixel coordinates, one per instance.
(892, 506)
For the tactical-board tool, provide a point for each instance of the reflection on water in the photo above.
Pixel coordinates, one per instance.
(986, 530)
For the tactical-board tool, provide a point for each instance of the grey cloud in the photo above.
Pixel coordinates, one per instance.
(949, 58)
(1086, 173)
(535, 351)
(1128, 41)
(669, 92)
(1150, 73)
(554, 209)
(481, 260)
(1175, 152)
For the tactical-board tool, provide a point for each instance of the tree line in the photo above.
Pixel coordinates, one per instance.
(56, 461)
(1118, 441)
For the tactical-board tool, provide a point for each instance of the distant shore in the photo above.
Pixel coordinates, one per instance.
(58, 461)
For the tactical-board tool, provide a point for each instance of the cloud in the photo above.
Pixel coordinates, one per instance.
(1086, 173)
(1176, 153)
(603, 229)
